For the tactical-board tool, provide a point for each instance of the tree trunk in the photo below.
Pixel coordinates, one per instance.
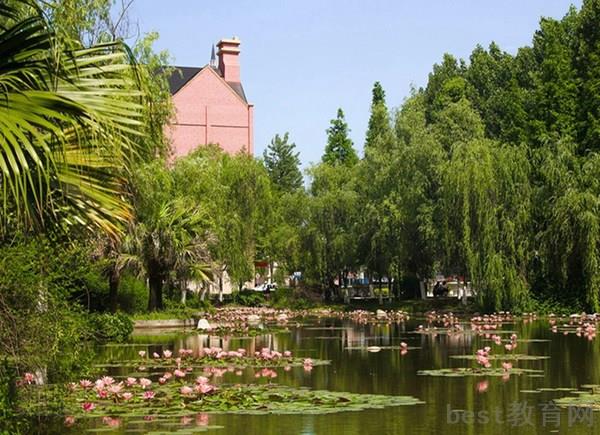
(423, 289)
(113, 288)
(183, 288)
(155, 283)
(221, 287)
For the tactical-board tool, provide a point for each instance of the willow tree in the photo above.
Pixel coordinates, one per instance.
(486, 209)
(416, 179)
(569, 207)
(328, 237)
(235, 194)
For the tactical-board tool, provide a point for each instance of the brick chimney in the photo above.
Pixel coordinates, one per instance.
(229, 59)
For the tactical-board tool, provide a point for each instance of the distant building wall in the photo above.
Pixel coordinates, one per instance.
(208, 111)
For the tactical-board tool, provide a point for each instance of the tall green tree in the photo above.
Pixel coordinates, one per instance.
(283, 164)
(328, 240)
(587, 61)
(339, 150)
(235, 193)
(170, 236)
(379, 131)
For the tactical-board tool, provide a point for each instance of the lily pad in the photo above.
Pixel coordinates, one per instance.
(372, 348)
(156, 365)
(505, 357)
(237, 399)
(467, 371)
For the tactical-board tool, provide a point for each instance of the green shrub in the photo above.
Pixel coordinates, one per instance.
(42, 327)
(133, 295)
(294, 298)
(111, 327)
(200, 305)
(549, 305)
(249, 298)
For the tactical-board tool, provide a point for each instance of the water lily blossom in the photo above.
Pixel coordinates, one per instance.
(107, 380)
(186, 391)
(144, 382)
(85, 384)
(88, 406)
(29, 378)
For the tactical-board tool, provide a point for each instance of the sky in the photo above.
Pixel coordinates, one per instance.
(301, 60)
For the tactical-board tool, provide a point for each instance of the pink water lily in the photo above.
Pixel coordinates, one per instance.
(127, 396)
(203, 388)
(142, 353)
(144, 382)
(130, 382)
(202, 380)
(115, 388)
(69, 421)
(107, 380)
(88, 406)
(167, 353)
(179, 373)
(482, 386)
(507, 366)
(149, 395)
(86, 384)
(186, 391)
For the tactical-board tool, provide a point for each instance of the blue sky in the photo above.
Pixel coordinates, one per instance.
(301, 60)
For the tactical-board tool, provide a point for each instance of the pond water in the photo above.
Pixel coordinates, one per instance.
(497, 405)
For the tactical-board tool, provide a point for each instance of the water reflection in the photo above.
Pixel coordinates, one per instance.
(574, 361)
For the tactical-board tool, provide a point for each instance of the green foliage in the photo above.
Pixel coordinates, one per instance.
(328, 241)
(111, 327)
(249, 298)
(340, 149)
(492, 173)
(235, 193)
(40, 328)
(133, 294)
(295, 298)
(283, 164)
(69, 115)
(379, 131)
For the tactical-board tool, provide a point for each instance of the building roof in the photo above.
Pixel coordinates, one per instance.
(183, 74)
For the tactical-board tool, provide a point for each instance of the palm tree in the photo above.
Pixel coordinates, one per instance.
(67, 118)
(169, 242)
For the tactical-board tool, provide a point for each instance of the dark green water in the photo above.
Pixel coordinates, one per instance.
(498, 406)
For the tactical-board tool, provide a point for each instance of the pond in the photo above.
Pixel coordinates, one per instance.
(366, 358)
